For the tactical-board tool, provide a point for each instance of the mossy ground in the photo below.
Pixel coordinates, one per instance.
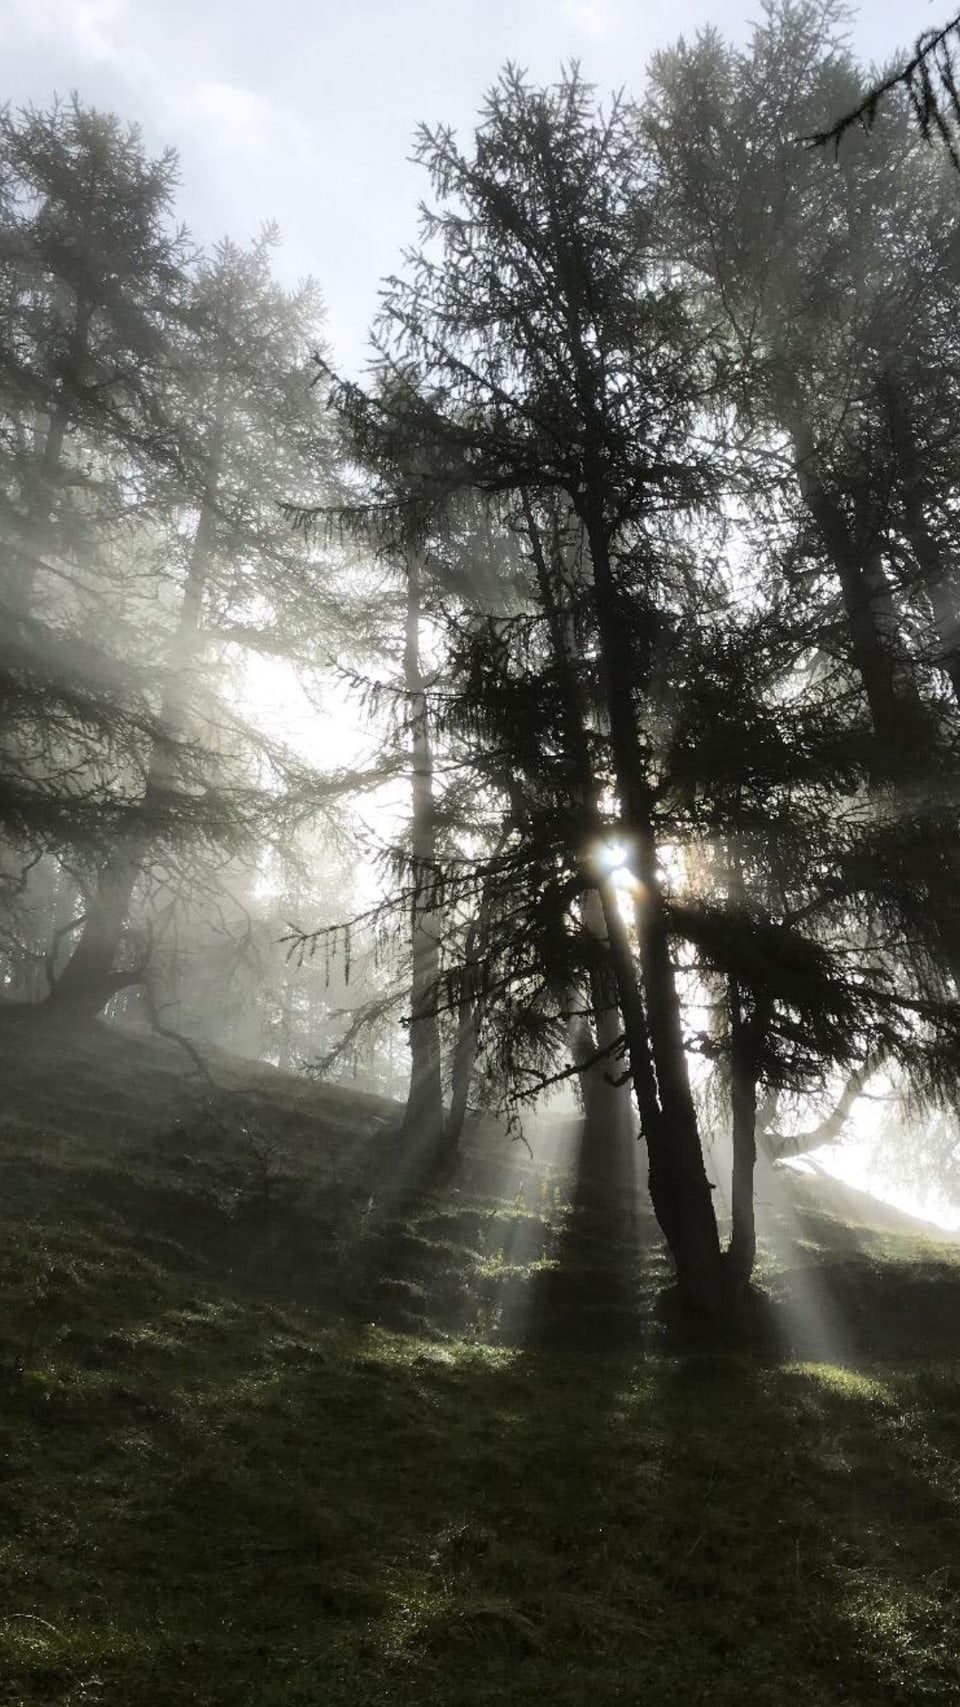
(224, 1480)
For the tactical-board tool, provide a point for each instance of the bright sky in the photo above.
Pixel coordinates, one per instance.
(303, 111)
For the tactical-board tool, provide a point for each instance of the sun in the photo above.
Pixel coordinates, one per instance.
(610, 857)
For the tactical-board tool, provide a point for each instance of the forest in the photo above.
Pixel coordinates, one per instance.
(464, 833)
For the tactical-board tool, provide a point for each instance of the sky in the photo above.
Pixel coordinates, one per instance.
(304, 111)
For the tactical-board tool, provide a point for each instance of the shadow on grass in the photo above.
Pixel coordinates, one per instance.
(223, 1501)
(589, 1296)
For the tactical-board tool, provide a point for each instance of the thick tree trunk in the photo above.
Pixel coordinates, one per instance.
(88, 980)
(423, 1119)
(679, 1187)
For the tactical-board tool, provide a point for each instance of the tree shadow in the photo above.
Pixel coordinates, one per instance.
(590, 1295)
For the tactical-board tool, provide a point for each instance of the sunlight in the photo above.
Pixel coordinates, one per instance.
(849, 1383)
(851, 1162)
(534, 1193)
(272, 697)
(610, 857)
(330, 736)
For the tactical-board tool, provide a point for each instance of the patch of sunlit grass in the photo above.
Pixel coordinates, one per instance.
(847, 1383)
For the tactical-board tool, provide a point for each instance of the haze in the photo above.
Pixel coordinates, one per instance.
(304, 113)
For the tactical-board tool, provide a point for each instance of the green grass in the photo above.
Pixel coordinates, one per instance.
(216, 1488)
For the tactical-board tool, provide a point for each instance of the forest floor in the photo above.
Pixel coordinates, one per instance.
(278, 1427)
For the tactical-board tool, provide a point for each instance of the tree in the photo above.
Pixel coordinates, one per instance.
(243, 414)
(836, 286)
(929, 79)
(90, 272)
(156, 406)
(541, 357)
(542, 353)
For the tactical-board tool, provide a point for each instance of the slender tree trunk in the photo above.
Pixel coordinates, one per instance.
(461, 1072)
(901, 727)
(606, 1102)
(469, 1010)
(44, 480)
(939, 574)
(652, 1030)
(285, 1029)
(742, 1250)
(750, 1014)
(423, 1120)
(679, 1186)
(942, 588)
(91, 977)
(896, 710)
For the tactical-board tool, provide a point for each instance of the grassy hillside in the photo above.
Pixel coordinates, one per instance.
(277, 1427)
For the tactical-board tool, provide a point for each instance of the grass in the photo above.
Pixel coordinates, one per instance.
(222, 1483)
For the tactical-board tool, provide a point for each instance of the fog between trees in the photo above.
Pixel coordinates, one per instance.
(640, 535)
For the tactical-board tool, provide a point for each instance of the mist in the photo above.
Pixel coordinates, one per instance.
(479, 888)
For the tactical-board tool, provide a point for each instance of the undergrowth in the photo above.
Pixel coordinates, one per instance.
(220, 1487)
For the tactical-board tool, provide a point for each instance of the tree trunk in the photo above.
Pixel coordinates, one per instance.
(606, 1103)
(652, 1031)
(88, 980)
(679, 1186)
(44, 479)
(285, 1029)
(742, 1250)
(939, 575)
(423, 1119)
(902, 730)
(896, 710)
(461, 1073)
(606, 1106)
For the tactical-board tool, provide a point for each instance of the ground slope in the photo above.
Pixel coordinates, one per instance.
(225, 1480)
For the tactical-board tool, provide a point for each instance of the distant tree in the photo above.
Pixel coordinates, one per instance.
(240, 403)
(90, 274)
(155, 406)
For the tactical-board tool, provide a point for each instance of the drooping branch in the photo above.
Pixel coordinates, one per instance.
(930, 79)
(830, 1130)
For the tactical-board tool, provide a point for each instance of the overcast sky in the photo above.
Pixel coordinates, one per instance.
(304, 112)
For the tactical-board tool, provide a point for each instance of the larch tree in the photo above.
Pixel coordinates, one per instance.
(91, 271)
(233, 575)
(835, 282)
(543, 357)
